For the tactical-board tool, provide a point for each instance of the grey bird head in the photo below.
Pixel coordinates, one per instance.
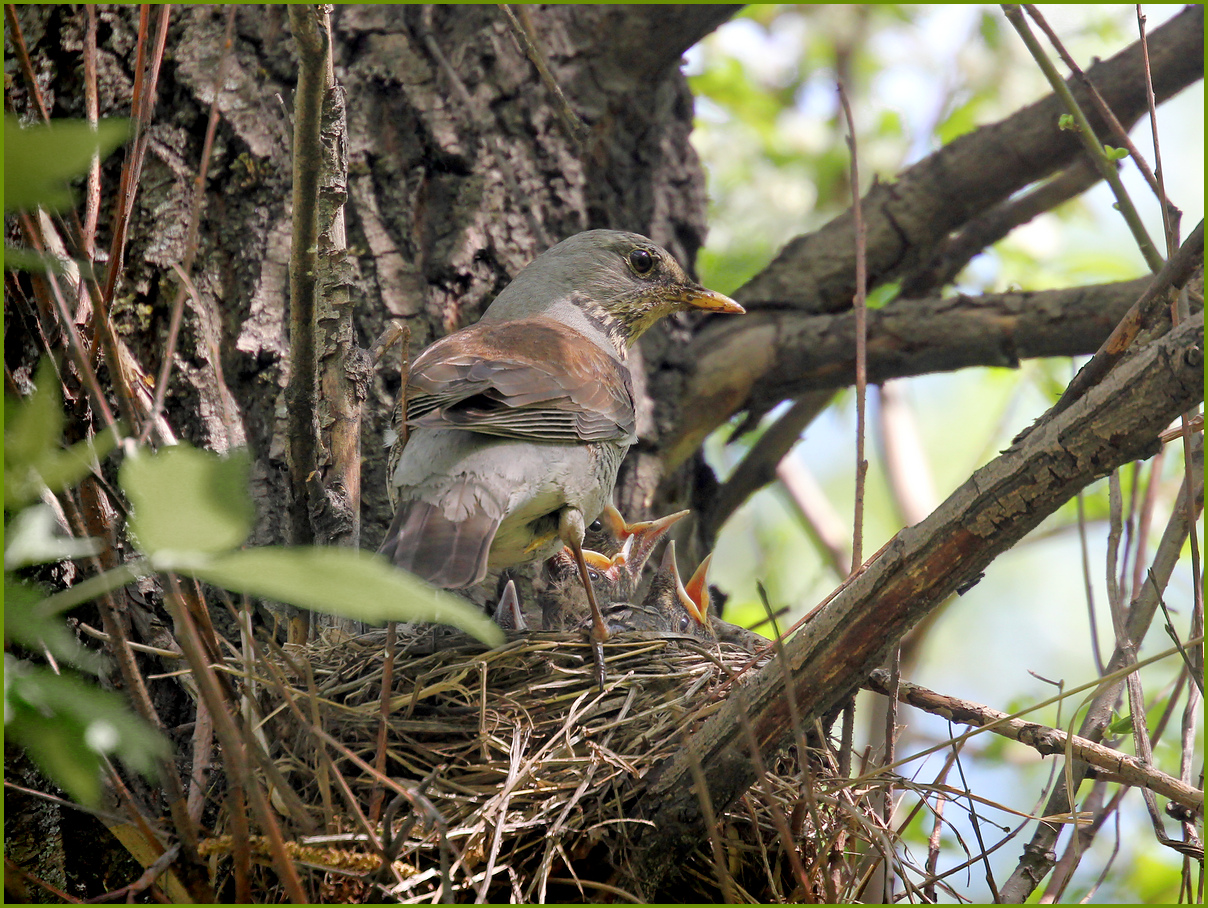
(609, 280)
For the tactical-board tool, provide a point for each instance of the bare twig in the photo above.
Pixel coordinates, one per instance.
(235, 752)
(858, 303)
(185, 268)
(142, 111)
(1043, 739)
(300, 394)
(523, 31)
(1156, 179)
(90, 520)
(1086, 133)
(1038, 858)
(145, 880)
(1175, 273)
(788, 841)
(1119, 133)
(23, 61)
(758, 467)
(92, 198)
(725, 882)
(379, 762)
(10, 864)
(1141, 553)
(1088, 585)
(992, 225)
(1174, 638)
(1196, 425)
(75, 344)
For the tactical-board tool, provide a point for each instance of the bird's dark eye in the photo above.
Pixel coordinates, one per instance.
(594, 576)
(684, 623)
(641, 261)
(596, 525)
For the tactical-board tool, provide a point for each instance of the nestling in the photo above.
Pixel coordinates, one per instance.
(670, 606)
(621, 548)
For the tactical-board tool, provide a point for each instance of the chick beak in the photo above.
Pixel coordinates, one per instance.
(710, 300)
(641, 538)
(668, 566)
(697, 591)
(613, 522)
(601, 563)
(508, 613)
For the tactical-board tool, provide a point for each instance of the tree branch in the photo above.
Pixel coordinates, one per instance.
(910, 216)
(758, 467)
(1119, 420)
(300, 394)
(1038, 857)
(767, 357)
(638, 43)
(953, 254)
(1044, 740)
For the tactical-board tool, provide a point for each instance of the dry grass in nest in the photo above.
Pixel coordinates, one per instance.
(508, 774)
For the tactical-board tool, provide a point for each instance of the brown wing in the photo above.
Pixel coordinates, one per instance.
(529, 379)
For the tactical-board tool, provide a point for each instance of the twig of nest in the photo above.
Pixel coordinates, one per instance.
(508, 772)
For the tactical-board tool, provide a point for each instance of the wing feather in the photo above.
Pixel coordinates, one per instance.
(529, 379)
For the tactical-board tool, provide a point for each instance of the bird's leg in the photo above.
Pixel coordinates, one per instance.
(571, 529)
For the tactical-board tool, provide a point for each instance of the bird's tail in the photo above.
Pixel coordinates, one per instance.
(448, 554)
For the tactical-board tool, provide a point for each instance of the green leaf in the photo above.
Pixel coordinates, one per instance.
(341, 581)
(960, 121)
(26, 626)
(66, 725)
(187, 503)
(1065, 122)
(1115, 154)
(32, 456)
(32, 426)
(40, 160)
(878, 297)
(17, 259)
(30, 538)
(94, 587)
(1122, 725)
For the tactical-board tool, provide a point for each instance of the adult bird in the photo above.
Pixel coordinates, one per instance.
(516, 425)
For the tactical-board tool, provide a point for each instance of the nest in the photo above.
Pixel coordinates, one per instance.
(508, 774)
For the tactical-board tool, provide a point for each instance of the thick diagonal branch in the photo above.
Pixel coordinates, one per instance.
(1116, 422)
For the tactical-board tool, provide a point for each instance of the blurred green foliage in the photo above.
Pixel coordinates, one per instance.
(39, 163)
(190, 513)
(65, 723)
(40, 160)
